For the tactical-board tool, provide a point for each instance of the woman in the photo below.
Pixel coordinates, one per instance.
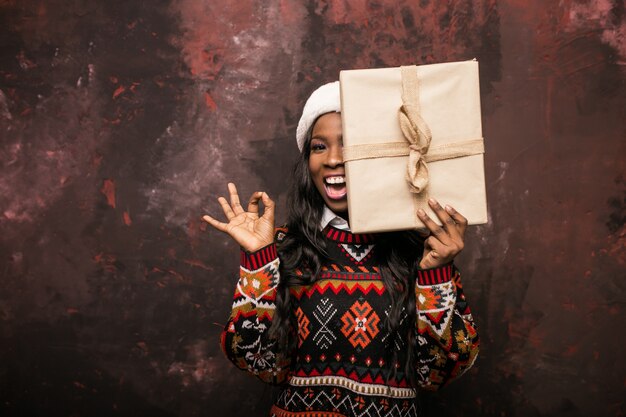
(348, 324)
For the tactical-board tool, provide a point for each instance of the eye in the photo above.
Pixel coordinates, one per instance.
(317, 146)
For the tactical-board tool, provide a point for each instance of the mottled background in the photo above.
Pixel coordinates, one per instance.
(120, 122)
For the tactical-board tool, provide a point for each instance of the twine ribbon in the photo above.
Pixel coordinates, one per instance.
(415, 130)
(418, 138)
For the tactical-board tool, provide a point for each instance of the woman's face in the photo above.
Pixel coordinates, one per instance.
(326, 162)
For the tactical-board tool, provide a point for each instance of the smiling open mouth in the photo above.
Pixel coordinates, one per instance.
(335, 187)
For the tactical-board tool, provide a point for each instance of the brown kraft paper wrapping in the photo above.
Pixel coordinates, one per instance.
(441, 101)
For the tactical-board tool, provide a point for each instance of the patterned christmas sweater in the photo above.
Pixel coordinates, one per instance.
(341, 365)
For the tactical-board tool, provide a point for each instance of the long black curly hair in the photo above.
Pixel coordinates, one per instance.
(303, 251)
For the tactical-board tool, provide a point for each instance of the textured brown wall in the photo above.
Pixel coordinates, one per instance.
(120, 121)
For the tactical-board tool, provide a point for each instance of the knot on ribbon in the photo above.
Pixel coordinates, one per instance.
(418, 135)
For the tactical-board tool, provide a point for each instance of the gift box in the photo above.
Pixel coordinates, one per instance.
(410, 133)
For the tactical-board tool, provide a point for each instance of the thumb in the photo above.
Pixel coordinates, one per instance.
(429, 259)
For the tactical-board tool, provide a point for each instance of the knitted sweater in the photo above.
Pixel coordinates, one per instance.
(342, 362)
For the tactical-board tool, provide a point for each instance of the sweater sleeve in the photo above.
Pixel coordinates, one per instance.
(245, 339)
(448, 342)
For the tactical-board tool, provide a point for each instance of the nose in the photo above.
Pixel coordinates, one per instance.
(335, 156)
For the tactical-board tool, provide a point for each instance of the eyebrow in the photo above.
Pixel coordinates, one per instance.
(321, 137)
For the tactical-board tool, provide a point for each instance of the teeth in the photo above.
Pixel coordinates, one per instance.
(335, 180)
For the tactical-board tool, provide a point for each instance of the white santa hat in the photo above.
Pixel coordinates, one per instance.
(325, 99)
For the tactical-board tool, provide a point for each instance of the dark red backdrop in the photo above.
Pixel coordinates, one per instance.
(120, 121)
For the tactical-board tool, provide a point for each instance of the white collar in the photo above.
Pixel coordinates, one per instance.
(329, 217)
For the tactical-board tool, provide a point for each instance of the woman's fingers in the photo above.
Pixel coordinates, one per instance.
(234, 199)
(460, 220)
(430, 243)
(226, 208)
(253, 203)
(448, 223)
(268, 213)
(246, 227)
(435, 253)
(222, 227)
(446, 241)
(436, 230)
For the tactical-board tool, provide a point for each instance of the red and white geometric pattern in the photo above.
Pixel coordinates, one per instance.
(357, 252)
(360, 324)
(303, 326)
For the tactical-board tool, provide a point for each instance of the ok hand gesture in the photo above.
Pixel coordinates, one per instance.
(249, 230)
(445, 241)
